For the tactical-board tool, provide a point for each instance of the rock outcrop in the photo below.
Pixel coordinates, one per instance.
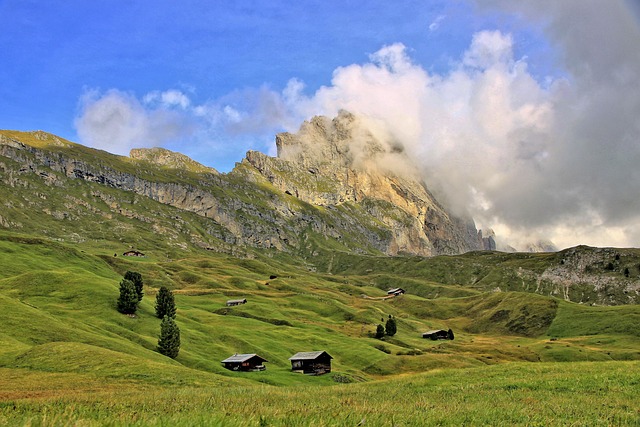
(170, 159)
(334, 186)
(346, 160)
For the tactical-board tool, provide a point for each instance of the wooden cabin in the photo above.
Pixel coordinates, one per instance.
(233, 302)
(438, 334)
(395, 291)
(133, 253)
(245, 362)
(311, 362)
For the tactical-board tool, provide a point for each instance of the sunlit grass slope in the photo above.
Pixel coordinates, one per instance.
(541, 394)
(62, 318)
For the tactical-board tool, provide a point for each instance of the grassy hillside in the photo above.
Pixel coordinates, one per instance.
(62, 301)
(67, 356)
(545, 394)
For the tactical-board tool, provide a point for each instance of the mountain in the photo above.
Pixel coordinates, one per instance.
(343, 161)
(334, 194)
(320, 193)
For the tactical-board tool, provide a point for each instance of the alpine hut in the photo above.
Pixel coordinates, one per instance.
(233, 302)
(311, 362)
(395, 292)
(438, 334)
(245, 362)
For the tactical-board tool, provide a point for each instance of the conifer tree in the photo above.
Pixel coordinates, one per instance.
(379, 331)
(128, 299)
(136, 278)
(169, 339)
(165, 303)
(391, 327)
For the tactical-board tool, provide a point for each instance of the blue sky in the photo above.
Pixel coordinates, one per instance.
(55, 52)
(524, 113)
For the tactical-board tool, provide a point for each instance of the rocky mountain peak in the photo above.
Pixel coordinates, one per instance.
(352, 159)
(171, 159)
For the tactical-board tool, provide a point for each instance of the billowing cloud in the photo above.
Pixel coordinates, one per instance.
(553, 157)
(116, 121)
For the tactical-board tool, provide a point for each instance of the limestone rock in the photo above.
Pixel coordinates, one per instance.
(170, 159)
(349, 159)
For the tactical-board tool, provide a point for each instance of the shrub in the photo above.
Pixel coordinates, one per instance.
(379, 331)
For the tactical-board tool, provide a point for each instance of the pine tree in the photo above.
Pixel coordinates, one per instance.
(136, 278)
(128, 299)
(379, 331)
(390, 327)
(165, 303)
(169, 340)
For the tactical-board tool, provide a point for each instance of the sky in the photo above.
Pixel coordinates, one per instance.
(525, 114)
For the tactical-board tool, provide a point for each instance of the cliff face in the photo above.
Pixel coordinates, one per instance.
(330, 188)
(330, 162)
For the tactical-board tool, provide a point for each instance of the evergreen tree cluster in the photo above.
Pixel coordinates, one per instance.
(128, 299)
(131, 293)
(390, 328)
(169, 340)
(165, 303)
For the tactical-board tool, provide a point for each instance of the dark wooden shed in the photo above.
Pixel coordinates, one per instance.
(395, 291)
(438, 334)
(133, 253)
(311, 362)
(245, 362)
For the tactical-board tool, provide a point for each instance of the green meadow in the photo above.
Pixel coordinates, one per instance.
(67, 357)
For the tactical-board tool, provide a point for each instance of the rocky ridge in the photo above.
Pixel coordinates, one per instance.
(331, 162)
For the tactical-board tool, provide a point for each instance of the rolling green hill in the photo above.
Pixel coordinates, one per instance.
(67, 356)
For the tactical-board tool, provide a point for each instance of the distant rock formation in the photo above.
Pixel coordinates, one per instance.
(346, 160)
(170, 159)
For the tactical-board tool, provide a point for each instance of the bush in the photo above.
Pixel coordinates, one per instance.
(379, 331)
(169, 340)
(165, 303)
(136, 278)
(128, 299)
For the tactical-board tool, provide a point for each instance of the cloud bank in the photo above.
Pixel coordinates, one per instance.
(555, 158)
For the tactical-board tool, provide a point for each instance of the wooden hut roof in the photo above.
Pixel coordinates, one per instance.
(309, 355)
(435, 331)
(242, 358)
(237, 301)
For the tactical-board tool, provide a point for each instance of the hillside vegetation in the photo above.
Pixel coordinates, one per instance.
(67, 356)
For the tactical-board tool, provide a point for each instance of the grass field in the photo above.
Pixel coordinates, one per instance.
(67, 357)
(541, 394)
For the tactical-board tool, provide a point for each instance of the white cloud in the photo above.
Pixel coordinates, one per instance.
(555, 158)
(436, 23)
(167, 99)
(116, 121)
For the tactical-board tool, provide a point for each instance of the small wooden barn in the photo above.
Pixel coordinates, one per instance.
(438, 334)
(245, 362)
(311, 362)
(133, 253)
(233, 302)
(395, 291)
